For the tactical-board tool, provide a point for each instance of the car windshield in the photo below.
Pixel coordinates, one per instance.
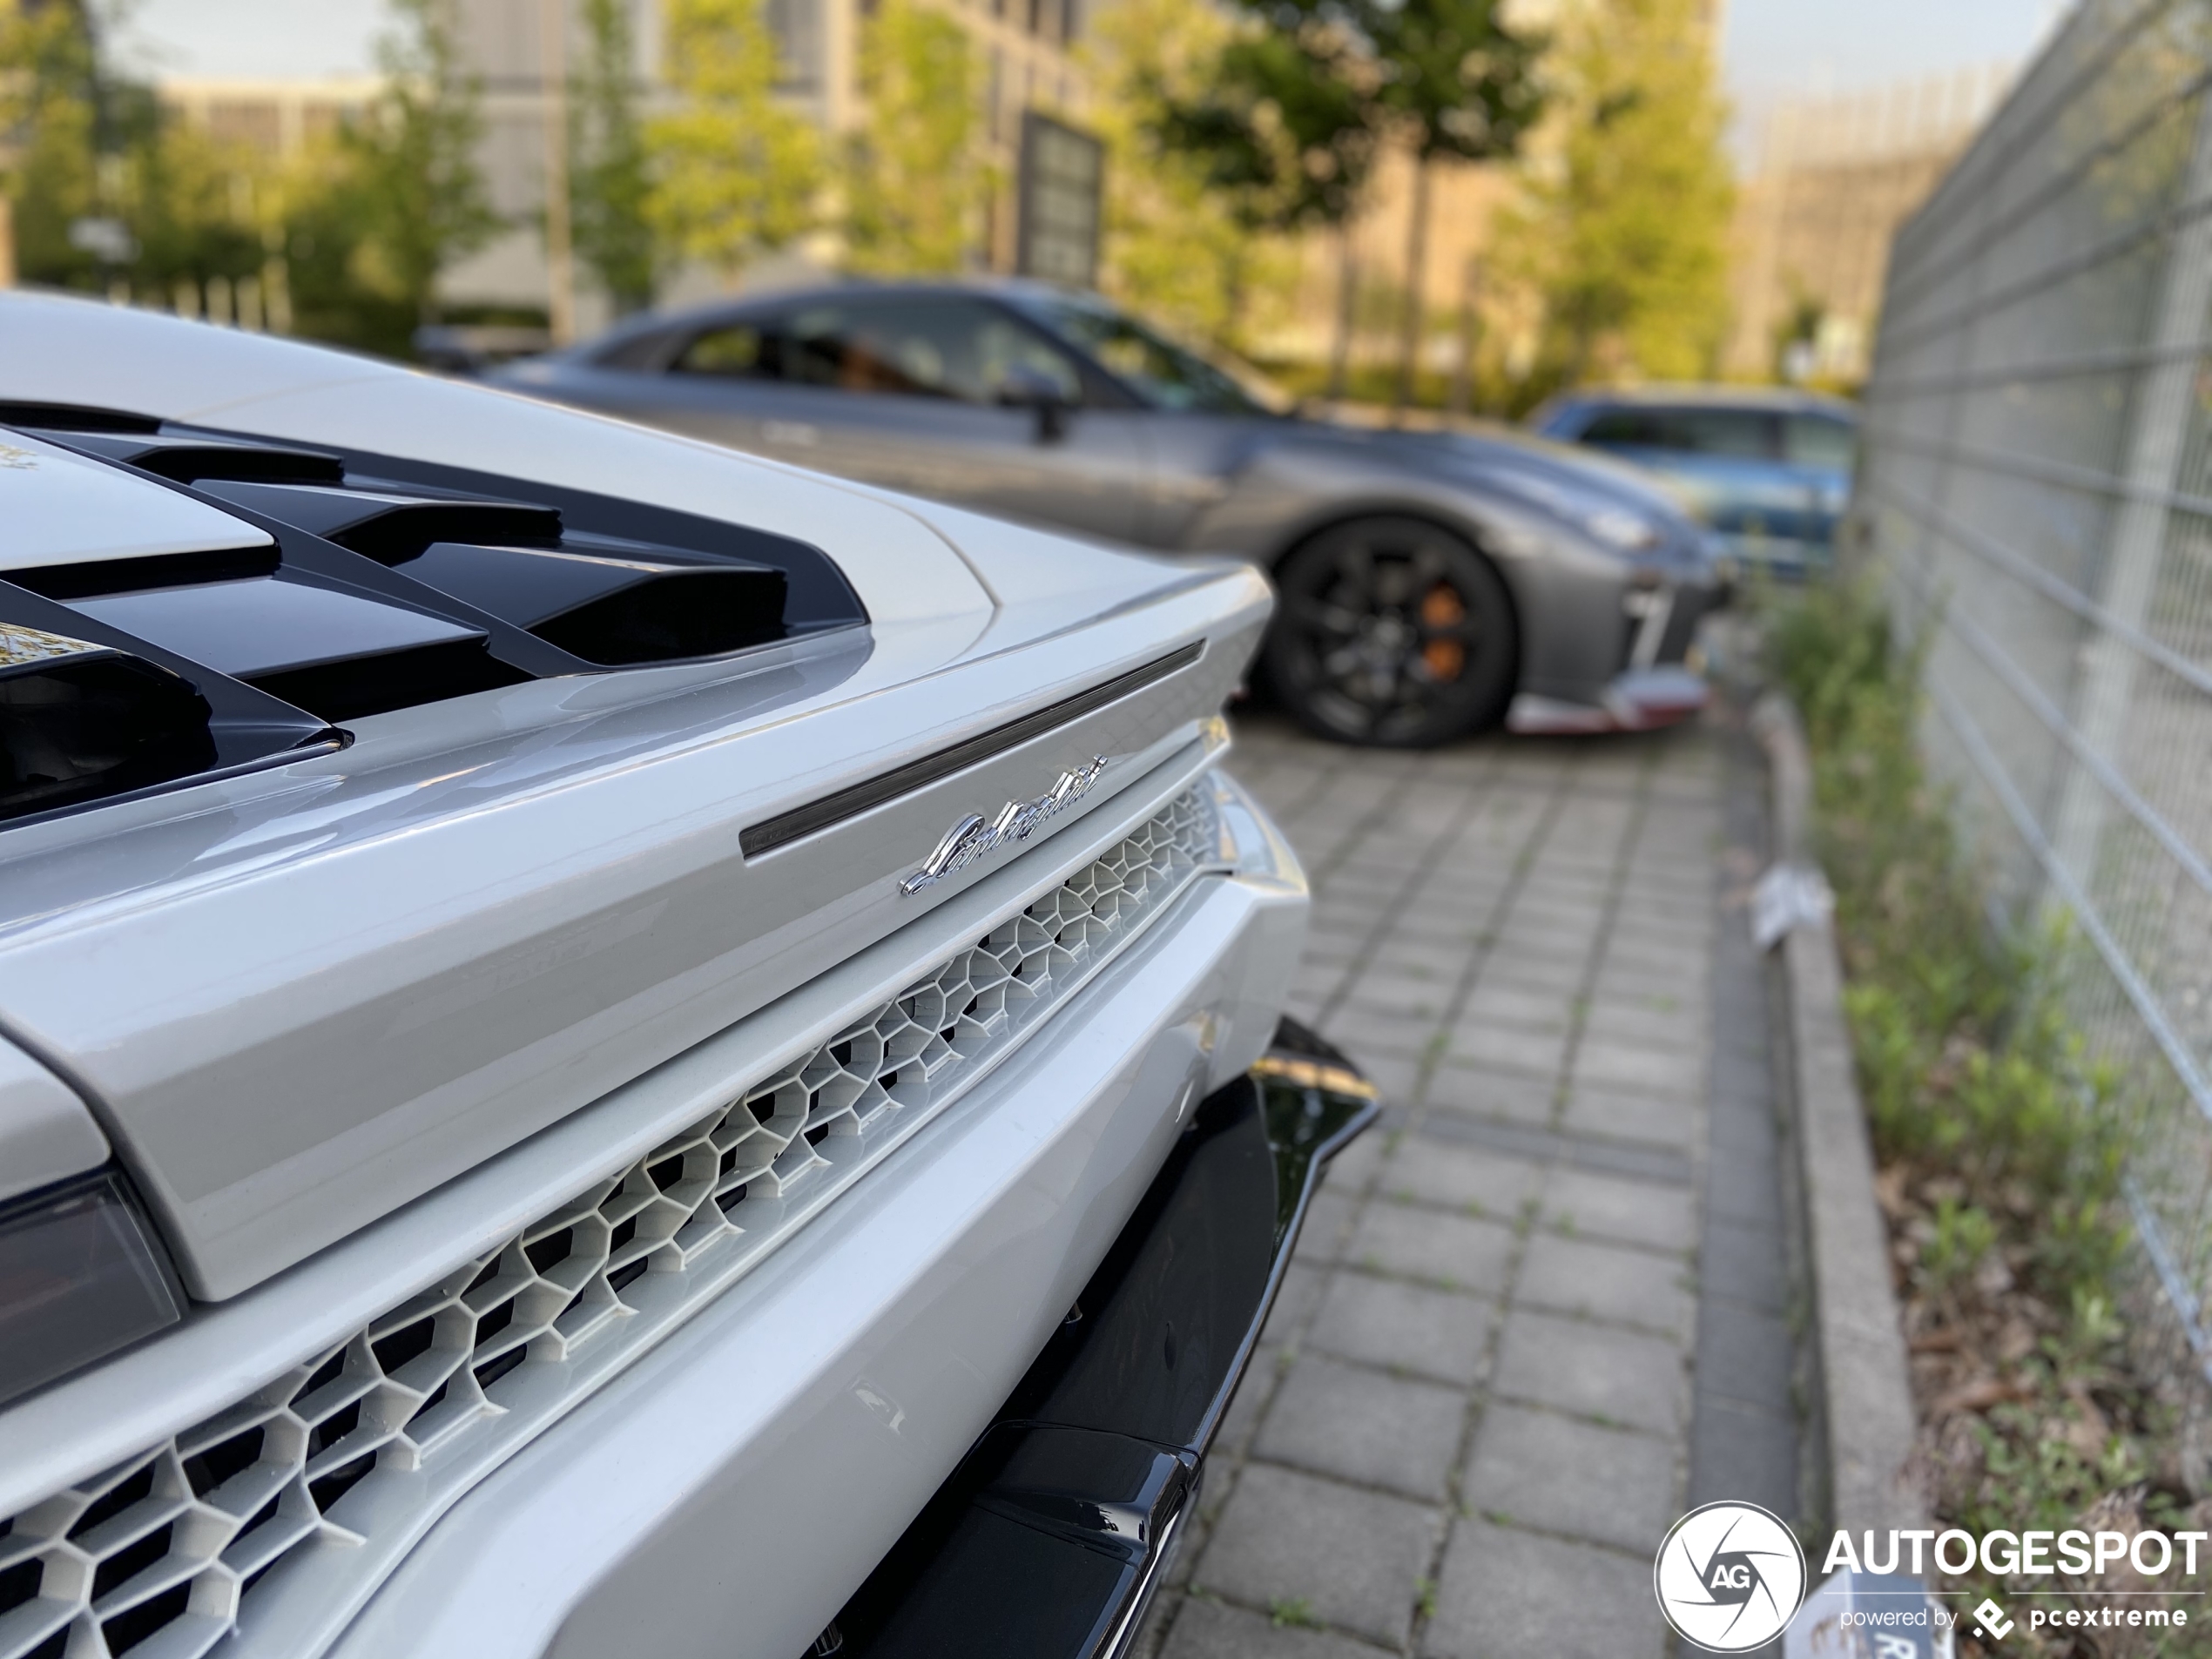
(1167, 375)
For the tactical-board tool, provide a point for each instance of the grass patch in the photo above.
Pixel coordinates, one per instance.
(1998, 1146)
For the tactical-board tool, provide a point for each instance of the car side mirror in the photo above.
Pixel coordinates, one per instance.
(1025, 388)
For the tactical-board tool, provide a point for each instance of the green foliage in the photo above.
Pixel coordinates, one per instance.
(735, 174)
(2001, 1149)
(341, 292)
(49, 90)
(1341, 78)
(1965, 1235)
(914, 188)
(417, 198)
(1293, 1612)
(1283, 127)
(609, 185)
(1966, 1060)
(1625, 233)
(96, 146)
(191, 203)
(356, 232)
(1279, 125)
(1176, 248)
(2040, 1479)
(1456, 80)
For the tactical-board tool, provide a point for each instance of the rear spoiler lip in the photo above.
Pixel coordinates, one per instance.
(802, 822)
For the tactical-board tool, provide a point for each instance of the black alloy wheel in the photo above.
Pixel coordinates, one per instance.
(1391, 631)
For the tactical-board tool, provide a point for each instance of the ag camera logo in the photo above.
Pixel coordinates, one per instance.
(1729, 1577)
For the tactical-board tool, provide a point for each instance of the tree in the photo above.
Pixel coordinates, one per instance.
(50, 96)
(914, 188)
(410, 185)
(735, 174)
(1199, 166)
(1281, 132)
(609, 184)
(1457, 84)
(1300, 105)
(1163, 239)
(339, 291)
(187, 200)
(103, 183)
(1626, 233)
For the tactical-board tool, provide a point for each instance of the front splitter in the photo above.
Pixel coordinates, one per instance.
(1051, 1537)
(1640, 700)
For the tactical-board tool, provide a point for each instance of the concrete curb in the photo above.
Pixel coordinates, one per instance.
(1866, 1397)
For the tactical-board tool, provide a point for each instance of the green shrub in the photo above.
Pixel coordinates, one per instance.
(1999, 1148)
(1969, 1069)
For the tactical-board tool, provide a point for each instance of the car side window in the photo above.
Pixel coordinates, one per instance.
(1624, 426)
(944, 348)
(1820, 441)
(1746, 435)
(736, 348)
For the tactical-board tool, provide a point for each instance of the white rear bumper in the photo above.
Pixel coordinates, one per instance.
(723, 1495)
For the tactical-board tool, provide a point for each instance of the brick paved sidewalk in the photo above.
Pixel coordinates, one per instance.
(1493, 1381)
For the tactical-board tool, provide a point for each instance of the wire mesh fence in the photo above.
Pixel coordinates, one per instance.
(2036, 486)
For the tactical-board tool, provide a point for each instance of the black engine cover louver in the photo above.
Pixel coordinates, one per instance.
(90, 714)
(83, 725)
(389, 584)
(332, 651)
(71, 582)
(615, 610)
(612, 604)
(186, 460)
(389, 527)
(352, 688)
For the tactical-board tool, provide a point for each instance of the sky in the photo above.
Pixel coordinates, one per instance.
(1776, 48)
(1773, 48)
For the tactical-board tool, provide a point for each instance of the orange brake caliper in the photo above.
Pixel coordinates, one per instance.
(1441, 607)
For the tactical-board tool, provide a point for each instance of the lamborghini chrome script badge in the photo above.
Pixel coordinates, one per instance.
(975, 835)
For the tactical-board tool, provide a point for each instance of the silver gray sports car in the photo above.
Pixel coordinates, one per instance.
(1432, 582)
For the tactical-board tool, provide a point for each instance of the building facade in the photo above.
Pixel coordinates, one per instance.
(277, 118)
(1832, 180)
(1025, 49)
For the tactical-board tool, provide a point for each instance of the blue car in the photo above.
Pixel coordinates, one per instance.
(1770, 471)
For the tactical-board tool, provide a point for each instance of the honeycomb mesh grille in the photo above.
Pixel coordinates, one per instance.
(167, 1548)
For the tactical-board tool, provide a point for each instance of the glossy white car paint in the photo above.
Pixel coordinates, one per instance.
(311, 1006)
(350, 1020)
(45, 1133)
(61, 509)
(154, 1391)
(724, 1496)
(449, 1000)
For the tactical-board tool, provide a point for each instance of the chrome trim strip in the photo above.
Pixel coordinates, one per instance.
(786, 827)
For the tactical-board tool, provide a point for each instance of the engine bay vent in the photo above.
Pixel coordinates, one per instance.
(87, 716)
(611, 602)
(331, 587)
(79, 722)
(189, 460)
(386, 526)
